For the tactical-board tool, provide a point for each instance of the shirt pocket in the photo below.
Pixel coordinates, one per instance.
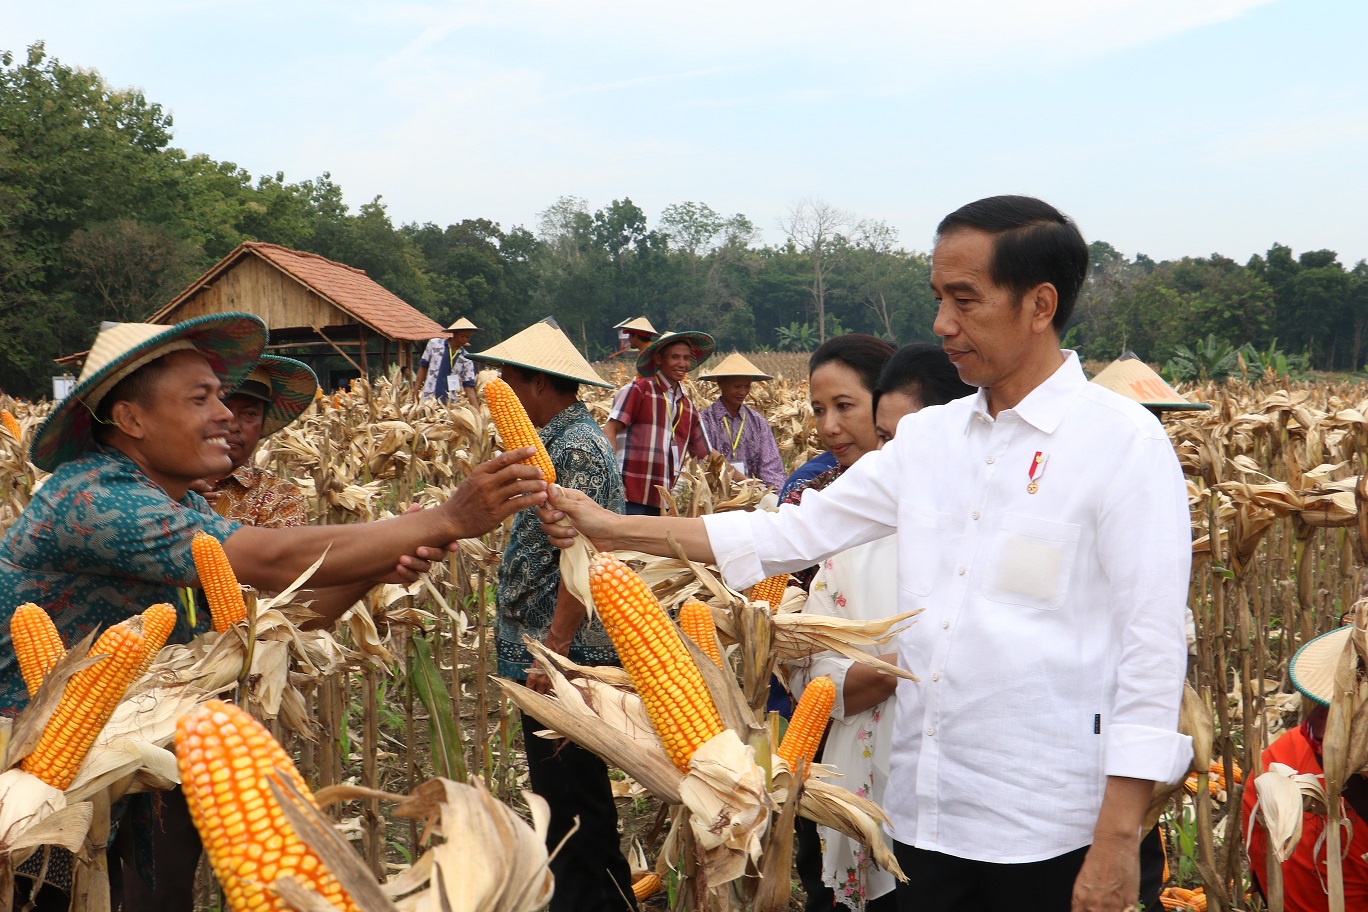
(1030, 561)
(922, 547)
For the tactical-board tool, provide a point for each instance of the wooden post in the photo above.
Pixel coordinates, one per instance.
(363, 342)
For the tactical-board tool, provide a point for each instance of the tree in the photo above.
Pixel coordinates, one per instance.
(131, 269)
(814, 228)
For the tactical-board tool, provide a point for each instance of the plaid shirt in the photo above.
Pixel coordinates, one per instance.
(747, 439)
(662, 425)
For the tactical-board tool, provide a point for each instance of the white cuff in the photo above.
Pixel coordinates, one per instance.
(1142, 752)
(730, 537)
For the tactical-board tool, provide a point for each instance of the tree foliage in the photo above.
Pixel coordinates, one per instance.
(101, 217)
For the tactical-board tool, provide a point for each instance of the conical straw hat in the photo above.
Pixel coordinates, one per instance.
(543, 347)
(462, 323)
(1133, 378)
(735, 365)
(700, 343)
(232, 343)
(1313, 667)
(639, 325)
(285, 385)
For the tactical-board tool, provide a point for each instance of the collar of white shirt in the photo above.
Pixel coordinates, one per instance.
(1045, 406)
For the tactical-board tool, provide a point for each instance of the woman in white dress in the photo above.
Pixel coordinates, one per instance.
(861, 584)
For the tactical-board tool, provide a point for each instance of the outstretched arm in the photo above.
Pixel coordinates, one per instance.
(610, 531)
(271, 559)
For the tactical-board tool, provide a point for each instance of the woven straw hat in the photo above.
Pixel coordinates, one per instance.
(1313, 667)
(1130, 377)
(231, 341)
(639, 325)
(543, 347)
(285, 385)
(462, 323)
(735, 365)
(700, 342)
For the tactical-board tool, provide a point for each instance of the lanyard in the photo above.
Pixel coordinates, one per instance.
(726, 424)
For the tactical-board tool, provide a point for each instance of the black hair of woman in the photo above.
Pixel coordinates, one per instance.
(922, 370)
(862, 353)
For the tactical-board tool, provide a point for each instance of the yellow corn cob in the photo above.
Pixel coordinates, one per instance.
(86, 705)
(37, 644)
(809, 721)
(226, 758)
(218, 581)
(646, 886)
(669, 683)
(515, 428)
(158, 622)
(696, 620)
(11, 424)
(770, 589)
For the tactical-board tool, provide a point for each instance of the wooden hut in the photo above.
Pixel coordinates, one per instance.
(308, 302)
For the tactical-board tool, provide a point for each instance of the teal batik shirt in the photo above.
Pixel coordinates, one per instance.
(99, 543)
(530, 572)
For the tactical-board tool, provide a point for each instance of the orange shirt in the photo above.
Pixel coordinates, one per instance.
(1303, 874)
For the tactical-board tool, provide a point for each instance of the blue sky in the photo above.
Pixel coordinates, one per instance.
(1172, 127)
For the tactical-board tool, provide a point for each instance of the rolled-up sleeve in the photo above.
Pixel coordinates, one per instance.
(1145, 547)
(858, 507)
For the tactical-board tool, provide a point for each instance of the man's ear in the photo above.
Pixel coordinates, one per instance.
(1043, 301)
(127, 418)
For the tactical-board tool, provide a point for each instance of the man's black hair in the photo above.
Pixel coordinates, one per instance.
(138, 387)
(1033, 243)
(563, 385)
(923, 370)
(862, 353)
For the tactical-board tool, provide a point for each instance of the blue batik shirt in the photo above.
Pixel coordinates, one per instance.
(530, 572)
(99, 542)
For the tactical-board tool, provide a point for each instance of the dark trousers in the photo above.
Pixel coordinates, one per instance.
(591, 873)
(154, 855)
(640, 509)
(943, 883)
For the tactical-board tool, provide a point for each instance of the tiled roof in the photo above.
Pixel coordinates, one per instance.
(347, 288)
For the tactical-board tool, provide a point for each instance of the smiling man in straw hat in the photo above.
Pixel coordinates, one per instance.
(545, 371)
(737, 431)
(445, 372)
(109, 533)
(1302, 749)
(657, 422)
(277, 392)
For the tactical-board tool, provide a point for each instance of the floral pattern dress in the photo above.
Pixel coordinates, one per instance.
(860, 583)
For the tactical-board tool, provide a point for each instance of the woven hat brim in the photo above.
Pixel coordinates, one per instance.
(293, 386)
(701, 342)
(1313, 667)
(462, 323)
(1135, 380)
(735, 365)
(232, 343)
(544, 348)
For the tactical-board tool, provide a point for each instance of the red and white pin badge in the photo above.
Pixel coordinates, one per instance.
(1036, 471)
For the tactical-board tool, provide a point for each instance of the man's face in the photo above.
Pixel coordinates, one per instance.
(675, 360)
(638, 341)
(525, 391)
(983, 327)
(734, 391)
(185, 423)
(461, 337)
(244, 432)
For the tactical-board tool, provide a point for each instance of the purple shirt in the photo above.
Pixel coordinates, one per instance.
(746, 439)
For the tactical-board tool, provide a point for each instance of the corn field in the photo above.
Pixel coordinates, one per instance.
(403, 691)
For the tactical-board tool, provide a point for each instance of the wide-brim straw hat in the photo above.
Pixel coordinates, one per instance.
(543, 347)
(232, 343)
(1313, 667)
(286, 386)
(639, 325)
(735, 365)
(1134, 379)
(462, 323)
(700, 342)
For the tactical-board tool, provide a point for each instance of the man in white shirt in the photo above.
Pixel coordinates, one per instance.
(1043, 532)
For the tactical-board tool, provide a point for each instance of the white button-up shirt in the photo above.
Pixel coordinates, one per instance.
(1050, 646)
